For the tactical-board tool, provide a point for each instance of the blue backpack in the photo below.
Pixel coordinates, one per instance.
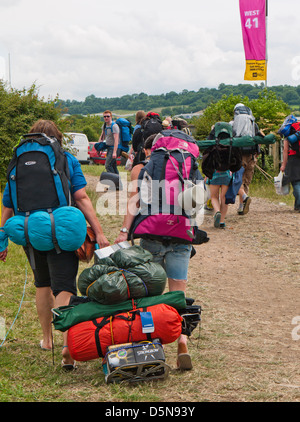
(126, 131)
(39, 185)
(38, 175)
(285, 128)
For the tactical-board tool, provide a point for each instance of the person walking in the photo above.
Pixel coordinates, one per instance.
(218, 186)
(291, 168)
(244, 125)
(173, 255)
(111, 135)
(55, 274)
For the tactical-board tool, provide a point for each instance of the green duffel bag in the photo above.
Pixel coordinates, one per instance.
(65, 317)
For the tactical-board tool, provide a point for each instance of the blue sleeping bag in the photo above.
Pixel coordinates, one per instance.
(70, 229)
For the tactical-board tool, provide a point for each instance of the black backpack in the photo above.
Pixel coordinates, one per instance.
(38, 179)
(152, 124)
(38, 175)
(221, 157)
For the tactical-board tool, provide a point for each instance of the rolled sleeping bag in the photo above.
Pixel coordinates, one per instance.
(14, 229)
(3, 240)
(70, 229)
(39, 231)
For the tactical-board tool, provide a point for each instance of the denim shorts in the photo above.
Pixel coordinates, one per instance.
(173, 257)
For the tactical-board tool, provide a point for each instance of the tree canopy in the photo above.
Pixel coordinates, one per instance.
(18, 111)
(268, 110)
(176, 103)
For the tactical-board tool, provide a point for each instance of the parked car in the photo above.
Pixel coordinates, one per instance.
(79, 144)
(98, 157)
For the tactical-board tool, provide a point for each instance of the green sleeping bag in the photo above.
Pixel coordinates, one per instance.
(125, 274)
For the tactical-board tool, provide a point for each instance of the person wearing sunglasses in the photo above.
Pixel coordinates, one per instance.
(110, 133)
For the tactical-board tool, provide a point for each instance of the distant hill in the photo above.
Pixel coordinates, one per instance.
(177, 103)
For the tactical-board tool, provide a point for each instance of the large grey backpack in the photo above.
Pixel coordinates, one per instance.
(243, 121)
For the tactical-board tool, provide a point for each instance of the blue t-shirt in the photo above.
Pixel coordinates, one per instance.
(76, 176)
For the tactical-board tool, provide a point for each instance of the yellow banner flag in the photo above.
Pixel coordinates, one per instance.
(256, 70)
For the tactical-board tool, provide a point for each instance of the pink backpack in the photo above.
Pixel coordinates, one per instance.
(172, 164)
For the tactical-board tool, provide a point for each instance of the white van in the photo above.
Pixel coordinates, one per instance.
(79, 144)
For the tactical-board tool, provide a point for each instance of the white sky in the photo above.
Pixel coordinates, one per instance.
(76, 48)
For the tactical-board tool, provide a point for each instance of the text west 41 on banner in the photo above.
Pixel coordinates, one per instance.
(253, 20)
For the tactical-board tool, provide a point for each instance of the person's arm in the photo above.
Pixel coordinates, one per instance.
(284, 155)
(116, 143)
(133, 204)
(102, 136)
(6, 214)
(85, 205)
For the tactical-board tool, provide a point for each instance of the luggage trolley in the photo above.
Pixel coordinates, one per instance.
(134, 362)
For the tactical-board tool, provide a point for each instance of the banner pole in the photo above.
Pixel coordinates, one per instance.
(266, 84)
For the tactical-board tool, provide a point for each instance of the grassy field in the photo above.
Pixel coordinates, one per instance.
(29, 374)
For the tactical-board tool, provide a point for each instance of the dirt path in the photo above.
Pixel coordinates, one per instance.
(247, 281)
(248, 277)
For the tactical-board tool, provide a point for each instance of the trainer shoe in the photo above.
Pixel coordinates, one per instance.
(240, 210)
(217, 218)
(246, 204)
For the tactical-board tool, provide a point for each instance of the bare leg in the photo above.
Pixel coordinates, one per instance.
(214, 196)
(63, 299)
(44, 304)
(224, 206)
(184, 360)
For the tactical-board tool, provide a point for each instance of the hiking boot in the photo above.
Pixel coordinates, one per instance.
(246, 205)
(217, 218)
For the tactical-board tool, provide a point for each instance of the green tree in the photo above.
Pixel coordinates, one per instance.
(18, 111)
(268, 110)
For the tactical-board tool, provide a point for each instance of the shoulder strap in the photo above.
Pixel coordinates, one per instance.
(109, 127)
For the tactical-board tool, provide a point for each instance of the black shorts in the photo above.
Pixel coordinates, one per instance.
(58, 271)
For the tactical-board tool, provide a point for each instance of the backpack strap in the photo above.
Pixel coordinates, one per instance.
(109, 127)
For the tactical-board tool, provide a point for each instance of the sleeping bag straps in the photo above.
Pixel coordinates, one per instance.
(28, 244)
(108, 320)
(55, 243)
